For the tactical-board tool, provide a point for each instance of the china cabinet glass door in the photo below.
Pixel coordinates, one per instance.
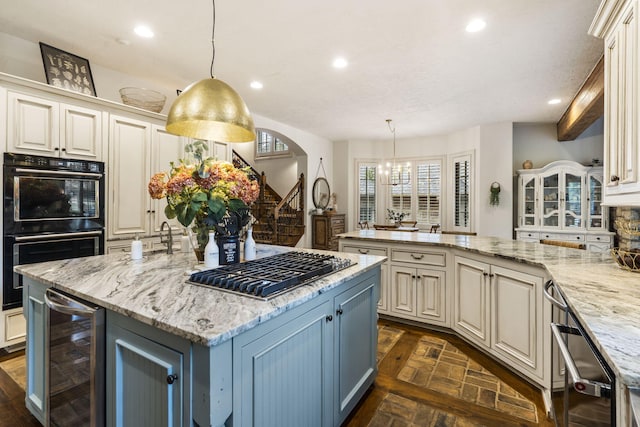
(595, 219)
(550, 200)
(572, 200)
(529, 207)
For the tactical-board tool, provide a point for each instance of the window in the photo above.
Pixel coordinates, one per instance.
(367, 176)
(401, 192)
(418, 192)
(462, 192)
(270, 144)
(429, 182)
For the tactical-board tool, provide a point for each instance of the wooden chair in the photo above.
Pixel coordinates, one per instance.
(364, 225)
(434, 228)
(574, 245)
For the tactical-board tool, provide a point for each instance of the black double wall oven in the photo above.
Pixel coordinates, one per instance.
(53, 210)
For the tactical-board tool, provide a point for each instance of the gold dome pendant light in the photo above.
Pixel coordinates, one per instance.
(210, 109)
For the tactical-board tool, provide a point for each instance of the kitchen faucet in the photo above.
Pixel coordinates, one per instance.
(169, 240)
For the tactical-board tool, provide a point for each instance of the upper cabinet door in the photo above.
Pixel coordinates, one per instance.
(596, 215)
(618, 26)
(165, 148)
(32, 125)
(551, 200)
(129, 201)
(528, 200)
(572, 200)
(81, 133)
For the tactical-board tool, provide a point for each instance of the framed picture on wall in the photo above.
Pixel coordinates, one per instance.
(66, 70)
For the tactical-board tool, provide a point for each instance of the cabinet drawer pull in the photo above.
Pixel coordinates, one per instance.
(171, 378)
(329, 318)
(414, 256)
(363, 251)
(614, 178)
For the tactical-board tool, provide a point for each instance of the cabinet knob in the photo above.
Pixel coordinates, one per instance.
(56, 149)
(64, 149)
(614, 178)
(484, 273)
(329, 318)
(491, 275)
(171, 378)
(339, 311)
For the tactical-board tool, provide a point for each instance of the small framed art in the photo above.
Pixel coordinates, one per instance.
(66, 70)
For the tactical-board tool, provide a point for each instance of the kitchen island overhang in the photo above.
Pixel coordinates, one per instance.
(149, 300)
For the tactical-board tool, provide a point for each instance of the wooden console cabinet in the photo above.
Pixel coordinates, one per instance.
(325, 229)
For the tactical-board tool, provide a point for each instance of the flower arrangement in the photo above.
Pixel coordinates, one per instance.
(394, 216)
(211, 194)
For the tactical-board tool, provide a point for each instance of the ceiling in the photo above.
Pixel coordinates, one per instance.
(409, 60)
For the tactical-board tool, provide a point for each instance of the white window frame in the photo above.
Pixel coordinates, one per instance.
(451, 220)
(373, 164)
(272, 154)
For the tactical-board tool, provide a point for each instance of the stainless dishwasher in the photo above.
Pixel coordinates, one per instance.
(74, 342)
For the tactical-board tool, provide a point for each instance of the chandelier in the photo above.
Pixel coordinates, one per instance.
(393, 173)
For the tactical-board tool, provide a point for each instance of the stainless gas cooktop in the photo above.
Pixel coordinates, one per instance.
(266, 278)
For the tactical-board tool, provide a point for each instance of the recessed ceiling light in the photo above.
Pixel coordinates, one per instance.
(476, 25)
(143, 31)
(554, 101)
(256, 85)
(340, 63)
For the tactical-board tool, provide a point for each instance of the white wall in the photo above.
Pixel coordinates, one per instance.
(495, 153)
(22, 58)
(539, 143)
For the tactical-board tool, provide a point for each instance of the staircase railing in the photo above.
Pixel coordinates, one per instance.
(289, 216)
(265, 189)
(278, 220)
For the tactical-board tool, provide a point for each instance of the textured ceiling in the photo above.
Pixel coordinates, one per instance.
(409, 60)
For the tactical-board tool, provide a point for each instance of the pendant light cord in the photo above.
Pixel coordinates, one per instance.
(213, 39)
(393, 131)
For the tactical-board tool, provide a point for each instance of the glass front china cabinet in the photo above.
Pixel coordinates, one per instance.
(562, 201)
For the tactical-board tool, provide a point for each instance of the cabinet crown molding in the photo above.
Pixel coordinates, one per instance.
(606, 16)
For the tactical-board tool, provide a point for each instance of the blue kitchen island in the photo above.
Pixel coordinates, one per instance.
(186, 355)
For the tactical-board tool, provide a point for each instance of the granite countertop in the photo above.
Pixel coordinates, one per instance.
(604, 297)
(154, 291)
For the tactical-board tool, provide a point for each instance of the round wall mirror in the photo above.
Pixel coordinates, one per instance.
(321, 193)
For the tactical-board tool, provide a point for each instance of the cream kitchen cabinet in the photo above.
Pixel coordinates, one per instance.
(501, 310)
(47, 127)
(616, 22)
(418, 285)
(137, 150)
(373, 249)
(563, 201)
